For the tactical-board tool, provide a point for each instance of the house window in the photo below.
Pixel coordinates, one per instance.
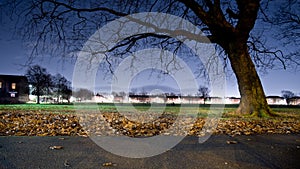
(0, 85)
(13, 86)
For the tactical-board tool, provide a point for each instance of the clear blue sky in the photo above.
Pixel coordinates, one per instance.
(13, 54)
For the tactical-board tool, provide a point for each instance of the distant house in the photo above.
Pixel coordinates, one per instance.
(13, 89)
(215, 100)
(118, 99)
(295, 100)
(173, 99)
(158, 99)
(139, 99)
(232, 100)
(178, 99)
(275, 100)
(192, 100)
(101, 98)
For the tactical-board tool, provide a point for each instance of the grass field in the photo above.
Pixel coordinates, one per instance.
(202, 110)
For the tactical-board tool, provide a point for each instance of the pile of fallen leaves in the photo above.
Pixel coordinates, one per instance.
(38, 124)
(47, 124)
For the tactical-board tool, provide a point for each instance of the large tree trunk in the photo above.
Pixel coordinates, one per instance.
(253, 100)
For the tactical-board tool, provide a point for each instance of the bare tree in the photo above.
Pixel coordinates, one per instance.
(286, 21)
(203, 92)
(228, 24)
(287, 95)
(61, 87)
(83, 94)
(40, 80)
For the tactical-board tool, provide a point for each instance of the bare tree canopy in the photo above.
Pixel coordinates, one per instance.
(286, 21)
(83, 94)
(62, 26)
(287, 95)
(61, 87)
(204, 92)
(40, 80)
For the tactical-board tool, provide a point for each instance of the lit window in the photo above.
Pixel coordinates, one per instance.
(13, 86)
(0, 85)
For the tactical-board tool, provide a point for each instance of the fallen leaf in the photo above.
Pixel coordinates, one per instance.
(231, 142)
(56, 147)
(247, 133)
(66, 164)
(108, 164)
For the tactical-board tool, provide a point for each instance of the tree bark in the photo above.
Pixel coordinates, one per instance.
(253, 99)
(38, 95)
(233, 39)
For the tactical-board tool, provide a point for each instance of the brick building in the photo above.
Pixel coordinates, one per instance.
(13, 89)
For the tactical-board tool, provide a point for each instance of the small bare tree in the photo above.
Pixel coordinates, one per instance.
(61, 88)
(287, 95)
(203, 92)
(83, 94)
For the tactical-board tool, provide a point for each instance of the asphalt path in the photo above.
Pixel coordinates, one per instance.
(253, 152)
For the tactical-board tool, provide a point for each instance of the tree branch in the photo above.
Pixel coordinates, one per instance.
(109, 10)
(248, 10)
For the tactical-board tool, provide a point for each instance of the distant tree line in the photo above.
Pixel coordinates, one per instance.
(57, 86)
(43, 83)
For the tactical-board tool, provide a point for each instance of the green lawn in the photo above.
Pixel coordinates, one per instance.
(37, 107)
(202, 110)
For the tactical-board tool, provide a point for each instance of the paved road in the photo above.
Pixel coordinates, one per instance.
(259, 151)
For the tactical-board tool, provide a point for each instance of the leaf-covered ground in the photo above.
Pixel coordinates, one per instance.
(39, 123)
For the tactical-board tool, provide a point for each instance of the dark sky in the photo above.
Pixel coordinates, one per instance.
(13, 55)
